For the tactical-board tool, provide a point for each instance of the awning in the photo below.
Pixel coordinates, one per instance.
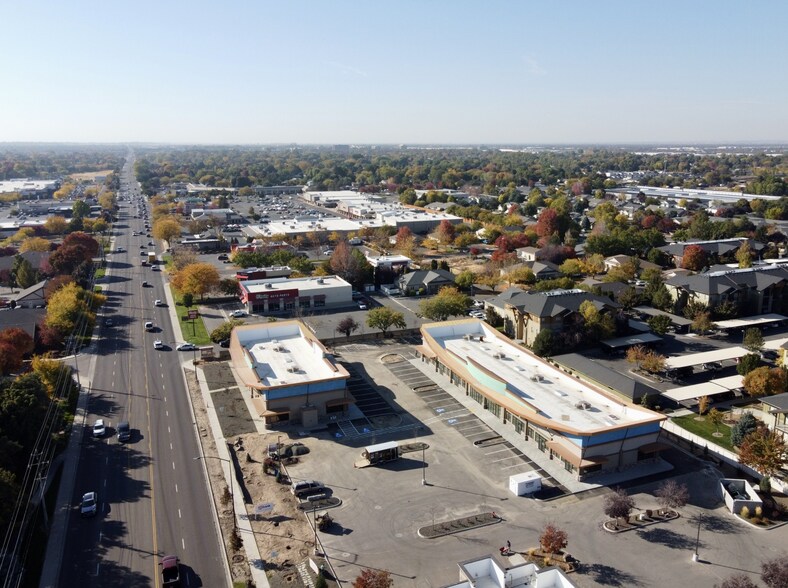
(263, 411)
(573, 458)
(750, 321)
(272, 413)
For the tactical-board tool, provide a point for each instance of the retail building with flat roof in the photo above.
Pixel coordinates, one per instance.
(291, 376)
(283, 295)
(589, 429)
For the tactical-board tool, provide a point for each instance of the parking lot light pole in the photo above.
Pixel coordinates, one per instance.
(423, 466)
(230, 468)
(695, 556)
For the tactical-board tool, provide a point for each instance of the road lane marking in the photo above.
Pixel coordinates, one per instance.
(170, 446)
(176, 488)
(168, 429)
(166, 413)
(183, 542)
(179, 514)
(173, 465)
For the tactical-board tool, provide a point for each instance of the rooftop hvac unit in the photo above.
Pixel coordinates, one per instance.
(269, 285)
(293, 369)
(467, 337)
(583, 405)
(320, 281)
(500, 355)
(278, 348)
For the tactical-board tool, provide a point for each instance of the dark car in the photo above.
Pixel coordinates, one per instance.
(224, 343)
(170, 571)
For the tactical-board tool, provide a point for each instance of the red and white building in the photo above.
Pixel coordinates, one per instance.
(283, 295)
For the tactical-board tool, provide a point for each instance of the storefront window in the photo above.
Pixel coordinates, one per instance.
(273, 306)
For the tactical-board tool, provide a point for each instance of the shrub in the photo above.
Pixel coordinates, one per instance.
(765, 485)
(320, 581)
(758, 511)
(744, 512)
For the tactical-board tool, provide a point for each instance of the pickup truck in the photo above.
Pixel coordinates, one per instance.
(170, 571)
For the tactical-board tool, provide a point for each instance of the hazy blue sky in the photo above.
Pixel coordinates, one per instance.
(370, 71)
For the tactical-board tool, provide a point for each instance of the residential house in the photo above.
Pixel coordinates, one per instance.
(425, 281)
(527, 313)
(619, 260)
(718, 251)
(777, 405)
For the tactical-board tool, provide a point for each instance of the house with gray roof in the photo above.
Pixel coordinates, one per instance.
(526, 313)
(717, 250)
(753, 291)
(426, 281)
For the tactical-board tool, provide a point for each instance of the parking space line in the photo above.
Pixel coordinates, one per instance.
(497, 451)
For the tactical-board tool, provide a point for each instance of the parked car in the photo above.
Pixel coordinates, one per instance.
(98, 428)
(306, 487)
(222, 257)
(712, 366)
(224, 343)
(145, 284)
(89, 505)
(362, 305)
(186, 347)
(237, 313)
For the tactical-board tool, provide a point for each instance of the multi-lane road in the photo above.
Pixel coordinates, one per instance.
(153, 498)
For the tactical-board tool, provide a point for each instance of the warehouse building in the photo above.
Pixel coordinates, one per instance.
(283, 295)
(291, 376)
(590, 430)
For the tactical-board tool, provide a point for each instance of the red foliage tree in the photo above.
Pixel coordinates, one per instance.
(68, 257)
(547, 224)
(694, 258)
(403, 234)
(10, 358)
(649, 221)
(79, 238)
(18, 338)
(446, 232)
(373, 579)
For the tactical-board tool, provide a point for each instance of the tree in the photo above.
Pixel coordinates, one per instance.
(373, 579)
(166, 228)
(598, 326)
(347, 326)
(753, 339)
(465, 279)
(774, 572)
(67, 308)
(661, 298)
(34, 244)
(197, 279)
(737, 581)
(702, 323)
(660, 323)
(350, 264)
(188, 299)
(653, 362)
(629, 298)
(56, 225)
(703, 404)
(448, 302)
(763, 450)
(552, 540)
(694, 258)
(80, 209)
(544, 344)
(223, 332)
(746, 425)
(671, 494)
(19, 339)
(229, 286)
(744, 255)
(10, 358)
(52, 373)
(765, 381)
(83, 239)
(384, 318)
(445, 232)
(716, 417)
(572, 267)
(748, 363)
(618, 504)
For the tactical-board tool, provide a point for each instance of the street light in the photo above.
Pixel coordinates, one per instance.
(423, 466)
(695, 556)
(229, 467)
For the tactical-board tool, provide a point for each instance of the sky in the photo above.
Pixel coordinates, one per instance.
(410, 71)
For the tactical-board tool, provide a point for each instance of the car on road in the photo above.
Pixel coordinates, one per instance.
(158, 302)
(149, 326)
(237, 313)
(146, 284)
(98, 428)
(170, 571)
(157, 344)
(151, 243)
(89, 505)
(155, 268)
(109, 322)
(712, 366)
(124, 431)
(186, 347)
(119, 250)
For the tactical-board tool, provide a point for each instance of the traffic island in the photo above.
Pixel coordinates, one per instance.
(458, 525)
(644, 519)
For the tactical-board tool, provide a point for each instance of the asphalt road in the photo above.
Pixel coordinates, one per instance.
(153, 498)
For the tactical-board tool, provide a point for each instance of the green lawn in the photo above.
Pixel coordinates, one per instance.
(100, 273)
(705, 429)
(193, 331)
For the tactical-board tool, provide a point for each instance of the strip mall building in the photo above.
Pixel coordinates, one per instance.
(589, 430)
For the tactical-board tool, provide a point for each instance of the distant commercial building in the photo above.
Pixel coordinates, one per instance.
(277, 190)
(588, 429)
(291, 376)
(260, 273)
(283, 295)
(30, 189)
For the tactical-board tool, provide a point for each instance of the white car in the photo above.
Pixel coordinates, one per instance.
(157, 344)
(89, 505)
(237, 313)
(158, 302)
(98, 428)
(155, 268)
(186, 347)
